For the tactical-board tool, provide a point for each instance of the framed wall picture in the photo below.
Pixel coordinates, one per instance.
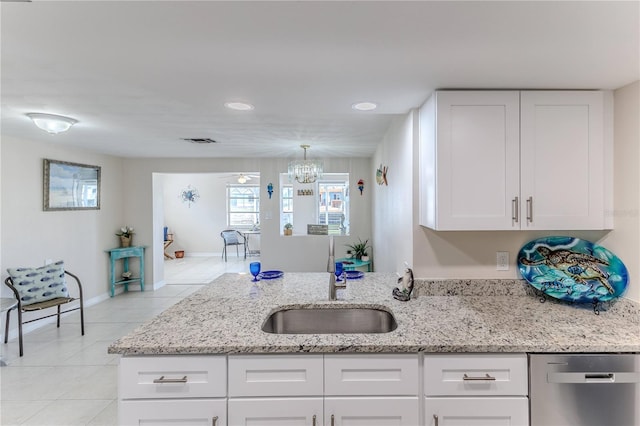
(71, 186)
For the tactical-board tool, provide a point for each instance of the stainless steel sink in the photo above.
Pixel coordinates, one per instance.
(333, 320)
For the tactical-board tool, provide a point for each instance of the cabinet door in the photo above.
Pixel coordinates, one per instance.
(562, 160)
(204, 412)
(275, 411)
(371, 411)
(477, 160)
(476, 411)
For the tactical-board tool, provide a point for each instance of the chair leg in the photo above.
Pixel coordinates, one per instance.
(81, 317)
(58, 322)
(6, 327)
(224, 252)
(237, 251)
(20, 331)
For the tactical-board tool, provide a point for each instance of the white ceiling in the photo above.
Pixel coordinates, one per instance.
(141, 75)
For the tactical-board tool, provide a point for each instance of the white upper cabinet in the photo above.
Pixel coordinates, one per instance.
(562, 160)
(511, 160)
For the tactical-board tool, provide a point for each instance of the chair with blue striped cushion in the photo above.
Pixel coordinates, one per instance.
(40, 288)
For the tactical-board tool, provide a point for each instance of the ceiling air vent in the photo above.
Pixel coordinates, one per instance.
(199, 140)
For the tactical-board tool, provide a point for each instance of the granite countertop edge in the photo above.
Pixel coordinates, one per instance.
(444, 316)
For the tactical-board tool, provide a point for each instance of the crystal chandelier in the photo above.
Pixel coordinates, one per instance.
(305, 171)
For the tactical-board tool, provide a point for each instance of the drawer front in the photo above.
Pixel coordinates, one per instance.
(173, 377)
(275, 375)
(465, 374)
(203, 412)
(371, 374)
(497, 411)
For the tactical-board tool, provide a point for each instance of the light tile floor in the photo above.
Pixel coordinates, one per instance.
(68, 379)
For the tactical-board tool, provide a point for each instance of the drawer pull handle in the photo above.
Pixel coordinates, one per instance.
(314, 420)
(435, 420)
(214, 421)
(486, 377)
(163, 380)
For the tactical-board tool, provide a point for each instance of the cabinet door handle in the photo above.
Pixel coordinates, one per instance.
(486, 377)
(530, 209)
(515, 216)
(214, 421)
(435, 420)
(313, 419)
(333, 421)
(163, 380)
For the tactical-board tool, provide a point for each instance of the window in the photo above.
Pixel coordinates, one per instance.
(243, 206)
(286, 213)
(328, 203)
(333, 206)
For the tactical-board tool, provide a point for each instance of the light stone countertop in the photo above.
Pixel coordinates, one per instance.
(442, 316)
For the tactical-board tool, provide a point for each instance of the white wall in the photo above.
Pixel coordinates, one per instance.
(80, 238)
(196, 227)
(393, 222)
(294, 253)
(624, 240)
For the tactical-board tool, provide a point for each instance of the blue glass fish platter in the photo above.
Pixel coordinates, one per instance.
(572, 269)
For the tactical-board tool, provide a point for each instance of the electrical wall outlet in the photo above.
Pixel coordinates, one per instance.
(502, 261)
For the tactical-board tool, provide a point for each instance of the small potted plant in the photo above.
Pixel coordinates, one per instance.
(288, 229)
(126, 235)
(359, 249)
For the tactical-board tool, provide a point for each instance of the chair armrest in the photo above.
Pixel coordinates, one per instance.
(77, 280)
(9, 282)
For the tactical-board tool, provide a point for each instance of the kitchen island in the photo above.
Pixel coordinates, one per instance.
(460, 351)
(443, 316)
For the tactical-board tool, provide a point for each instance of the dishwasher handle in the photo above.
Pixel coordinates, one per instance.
(593, 377)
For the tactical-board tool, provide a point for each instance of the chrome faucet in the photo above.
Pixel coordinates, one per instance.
(331, 269)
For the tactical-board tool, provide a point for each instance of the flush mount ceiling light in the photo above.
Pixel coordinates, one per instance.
(305, 171)
(52, 123)
(239, 106)
(364, 106)
(242, 178)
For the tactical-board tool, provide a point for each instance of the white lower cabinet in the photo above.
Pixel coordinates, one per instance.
(330, 390)
(173, 390)
(200, 412)
(275, 411)
(476, 390)
(325, 390)
(371, 411)
(493, 411)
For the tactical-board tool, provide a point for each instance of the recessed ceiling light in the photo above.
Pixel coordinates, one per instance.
(239, 106)
(364, 106)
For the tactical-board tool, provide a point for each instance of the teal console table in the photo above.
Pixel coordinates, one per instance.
(352, 264)
(125, 253)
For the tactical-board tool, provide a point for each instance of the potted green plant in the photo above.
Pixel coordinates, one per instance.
(359, 249)
(288, 229)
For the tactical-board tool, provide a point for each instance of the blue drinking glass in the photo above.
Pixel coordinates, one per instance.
(339, 270)
(254, 267)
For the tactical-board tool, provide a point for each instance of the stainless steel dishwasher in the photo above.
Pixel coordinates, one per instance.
(584, 389)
